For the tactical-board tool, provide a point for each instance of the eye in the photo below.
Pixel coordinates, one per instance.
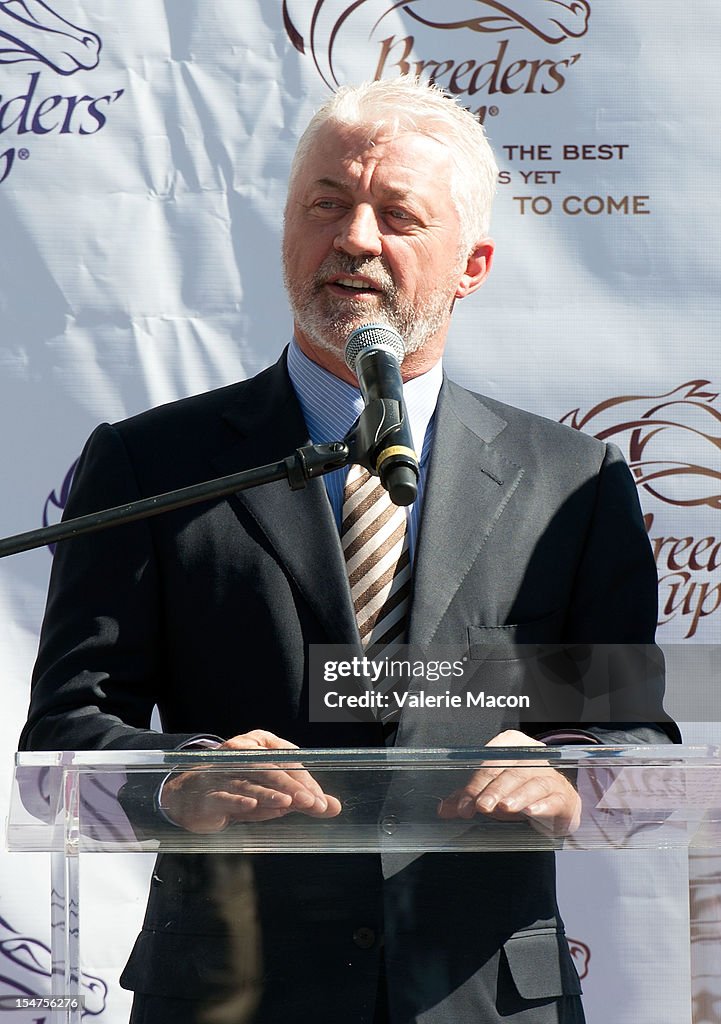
(327, 204)
(400, 219)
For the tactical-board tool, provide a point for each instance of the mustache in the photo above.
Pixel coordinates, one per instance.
(373, 268)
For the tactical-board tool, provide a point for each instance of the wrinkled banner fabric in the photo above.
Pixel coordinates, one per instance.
(144, 150)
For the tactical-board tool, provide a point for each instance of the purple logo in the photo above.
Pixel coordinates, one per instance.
(26, 970)
(550, 20)
(57, 500)
(414, 37)
(31, 31)
(35, 36)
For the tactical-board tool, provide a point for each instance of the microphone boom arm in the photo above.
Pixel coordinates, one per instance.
(303, 465)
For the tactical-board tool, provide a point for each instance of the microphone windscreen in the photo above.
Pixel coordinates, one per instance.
(373, 336)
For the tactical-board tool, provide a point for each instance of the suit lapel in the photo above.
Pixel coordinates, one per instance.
(268, 425)
(468, 487)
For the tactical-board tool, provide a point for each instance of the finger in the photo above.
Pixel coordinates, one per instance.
(502, 792)
(263, 739)
(323, 804)
(514, 738)
(298, 774)
(486, 790)
(559, 814)
(332, 809)
(257, 738)
(267, 798)
(280, 788)
(267, 795)
(550, 803)
(450, 806)
(237, 808)
(306, 779)
(515, 789)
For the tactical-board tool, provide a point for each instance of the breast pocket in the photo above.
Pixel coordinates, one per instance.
(515, 641)
(526, 665)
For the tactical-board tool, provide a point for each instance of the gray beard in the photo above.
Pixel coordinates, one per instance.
(328, 320)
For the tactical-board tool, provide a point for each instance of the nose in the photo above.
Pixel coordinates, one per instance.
(359, 234)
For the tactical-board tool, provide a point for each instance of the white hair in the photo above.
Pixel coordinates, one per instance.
(405, 104)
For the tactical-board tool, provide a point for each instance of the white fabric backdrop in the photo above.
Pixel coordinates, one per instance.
(144, 149)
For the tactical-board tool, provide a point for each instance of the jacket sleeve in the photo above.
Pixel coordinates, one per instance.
(614, 604)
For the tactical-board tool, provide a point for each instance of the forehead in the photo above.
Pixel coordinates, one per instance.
(409, 161)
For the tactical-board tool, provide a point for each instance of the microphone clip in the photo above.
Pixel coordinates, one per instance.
(375, 441)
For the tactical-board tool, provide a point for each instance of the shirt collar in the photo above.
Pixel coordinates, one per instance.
(331, 406)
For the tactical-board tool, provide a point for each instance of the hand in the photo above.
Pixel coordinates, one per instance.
(206, 801)
(518, 791)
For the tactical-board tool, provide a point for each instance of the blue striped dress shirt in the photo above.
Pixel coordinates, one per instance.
(331, 407)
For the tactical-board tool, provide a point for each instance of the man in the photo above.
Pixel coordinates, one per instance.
(523, 532)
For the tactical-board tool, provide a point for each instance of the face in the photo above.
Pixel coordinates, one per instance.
(372, 235)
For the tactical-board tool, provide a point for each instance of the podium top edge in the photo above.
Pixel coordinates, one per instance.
(366, 757)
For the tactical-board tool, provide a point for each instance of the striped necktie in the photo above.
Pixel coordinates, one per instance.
(375, 546)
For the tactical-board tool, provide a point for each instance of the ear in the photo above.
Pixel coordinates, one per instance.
(477, 268)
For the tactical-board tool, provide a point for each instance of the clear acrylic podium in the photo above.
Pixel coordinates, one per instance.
(78, 803)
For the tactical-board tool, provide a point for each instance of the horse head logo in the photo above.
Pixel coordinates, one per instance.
(550, 20)
(31, 32)
(672, 441)
(553, 21)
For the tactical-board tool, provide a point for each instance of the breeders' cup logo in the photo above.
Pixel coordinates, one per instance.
(551, 20)
(26, 970)
(57, 500)
(672, 443)
(33, 35)
(472, 48)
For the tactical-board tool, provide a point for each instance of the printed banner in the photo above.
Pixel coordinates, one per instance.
(144, 151)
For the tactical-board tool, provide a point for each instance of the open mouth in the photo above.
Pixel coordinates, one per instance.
(353, 286)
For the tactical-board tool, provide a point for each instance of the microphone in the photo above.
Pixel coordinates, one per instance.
(374, 353)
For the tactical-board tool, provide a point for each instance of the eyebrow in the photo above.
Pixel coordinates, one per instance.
(398, 192)
(332, 183)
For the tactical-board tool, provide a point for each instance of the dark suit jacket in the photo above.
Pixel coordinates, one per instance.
(530, 532)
